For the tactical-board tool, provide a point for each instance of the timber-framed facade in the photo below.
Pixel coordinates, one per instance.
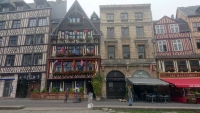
(74, 56)
(24, 39)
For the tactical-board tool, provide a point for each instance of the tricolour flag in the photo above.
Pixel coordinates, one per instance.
(56, 63)
(81, 63)
(88, 51)
(62, 50)
(73, 63)
(65, 63)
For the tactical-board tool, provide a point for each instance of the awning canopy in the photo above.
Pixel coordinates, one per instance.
(7, 78)
(183, 82)
(146, 81)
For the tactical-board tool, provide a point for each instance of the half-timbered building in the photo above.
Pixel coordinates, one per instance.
(191, 15)
(24, 38)
(176, 62)
(75, 54)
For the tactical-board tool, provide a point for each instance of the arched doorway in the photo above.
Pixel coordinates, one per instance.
(115, 85)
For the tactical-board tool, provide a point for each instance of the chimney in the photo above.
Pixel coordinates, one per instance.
(58, 1)
(172, 16)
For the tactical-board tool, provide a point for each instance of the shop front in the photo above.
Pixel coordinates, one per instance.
(143, 84)
(184, 87)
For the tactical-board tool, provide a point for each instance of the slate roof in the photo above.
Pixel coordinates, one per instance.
(190, 10)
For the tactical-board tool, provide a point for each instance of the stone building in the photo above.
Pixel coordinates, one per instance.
(191, 15)
(24, 38)
(126, 46)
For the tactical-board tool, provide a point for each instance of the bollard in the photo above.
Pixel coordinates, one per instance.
(90, 97)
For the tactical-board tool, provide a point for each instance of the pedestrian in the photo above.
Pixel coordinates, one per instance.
(130, 95)
(66, 95)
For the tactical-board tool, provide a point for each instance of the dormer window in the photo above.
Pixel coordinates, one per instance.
(40, 5)
(74, 20)
(5, 9)
(159, 29)
(19, 8)
(196, 26)
(94, 18)
(174, 28)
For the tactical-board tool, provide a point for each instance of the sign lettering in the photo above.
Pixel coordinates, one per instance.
(179, 75)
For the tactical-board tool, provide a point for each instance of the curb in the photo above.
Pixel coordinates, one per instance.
(12, 107)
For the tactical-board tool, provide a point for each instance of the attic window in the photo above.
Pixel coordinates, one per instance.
(40, 5)
(5, 9)
(19, 8)
(94, 18)
(196, 26)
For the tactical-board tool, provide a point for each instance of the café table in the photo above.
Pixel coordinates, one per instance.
(152, 96)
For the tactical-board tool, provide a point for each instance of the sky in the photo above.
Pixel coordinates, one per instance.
(159, 8)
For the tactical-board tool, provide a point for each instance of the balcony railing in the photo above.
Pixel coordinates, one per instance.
(126, 61)
(72, 74)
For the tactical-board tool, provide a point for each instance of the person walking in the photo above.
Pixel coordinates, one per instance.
(130, 95)
(66, 95)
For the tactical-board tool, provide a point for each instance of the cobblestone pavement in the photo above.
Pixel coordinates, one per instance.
(52, 111)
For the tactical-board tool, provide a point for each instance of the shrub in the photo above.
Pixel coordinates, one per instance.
(44, 90)
(97, 83)
(35, 91)
(81, 89)
(54, 90)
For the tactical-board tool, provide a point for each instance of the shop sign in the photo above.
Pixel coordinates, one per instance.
(29, 77)
(179, 75)
(194, 85)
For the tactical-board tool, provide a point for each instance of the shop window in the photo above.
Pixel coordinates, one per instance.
(194, 65)
(182, 66)
(169, 66)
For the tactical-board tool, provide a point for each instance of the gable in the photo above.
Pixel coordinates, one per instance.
(75, 11)
(198, 10)
(165, 20)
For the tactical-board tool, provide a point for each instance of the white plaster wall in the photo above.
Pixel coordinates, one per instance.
(1, 87)
(43, 81)
(14, 84)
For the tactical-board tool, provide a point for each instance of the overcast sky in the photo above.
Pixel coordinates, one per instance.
(159, 8)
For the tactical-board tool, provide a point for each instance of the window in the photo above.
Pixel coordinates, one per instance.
(111, 52)
(37, 59)
(141, 51)
(125, 31)
(177, 45)
(71, 49)
(139, 31)
(2, 25)
(174, 28)
(29, 40)
(90, 66)
(198, 43)
(39, 39)
(27, 60)
(138, 16)
(32, 22)
(126, 52)
(0, 41)
(88, 35)
(13, 41)
(71, 35)
(5, 9)
(16, 24)
(67, 66)
(79, 67)
(79, 35)
(162, 45)
(110, 32)
(58, 67)
(19, 8)
(10, 59)
(90, 49)
(79, 49)
(74, 20)
(194, 65)
(124, 16)
(182, 66)
(160, 29)
(94, 18)
(196, 26)
(42, 22)
(40, 5)
(56, 84)
(59, 48)
(169, 65)
(110, 16)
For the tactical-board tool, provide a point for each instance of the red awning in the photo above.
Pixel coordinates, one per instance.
(183, 82)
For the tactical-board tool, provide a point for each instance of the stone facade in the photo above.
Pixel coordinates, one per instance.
(133, 63)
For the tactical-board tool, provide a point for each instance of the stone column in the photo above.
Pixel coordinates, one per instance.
(43, 81)
(1, 87)
(14, 84)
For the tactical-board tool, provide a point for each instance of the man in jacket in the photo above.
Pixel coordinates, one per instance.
(130, 95)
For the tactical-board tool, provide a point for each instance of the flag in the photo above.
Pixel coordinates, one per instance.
(75, 31)
(93, 50)
(73, 63)
(85, 31)
(75, 52)
(65, 63)
(88, 51)
(67, 51)
(62, 50)
(81, 63)
(56, 63)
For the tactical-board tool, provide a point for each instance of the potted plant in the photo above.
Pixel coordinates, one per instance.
(171, 69)
(81, 92)
(183, 69)
(97, 83)
(195, 68)
(197, 94)
(35, 94)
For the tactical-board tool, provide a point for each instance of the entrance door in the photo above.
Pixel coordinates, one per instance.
(22, 89)
(115, 85)
(7, 88)
(31, 86)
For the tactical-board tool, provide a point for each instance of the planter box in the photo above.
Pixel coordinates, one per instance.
(52, 96)
(72, 95)
(44, 96)
(35, 96)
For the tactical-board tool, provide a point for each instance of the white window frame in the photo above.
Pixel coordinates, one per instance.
(177, 44)
(161, 44)
(160, 29)
(174, 28)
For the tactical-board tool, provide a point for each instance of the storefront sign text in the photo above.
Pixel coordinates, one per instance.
(179, 75)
